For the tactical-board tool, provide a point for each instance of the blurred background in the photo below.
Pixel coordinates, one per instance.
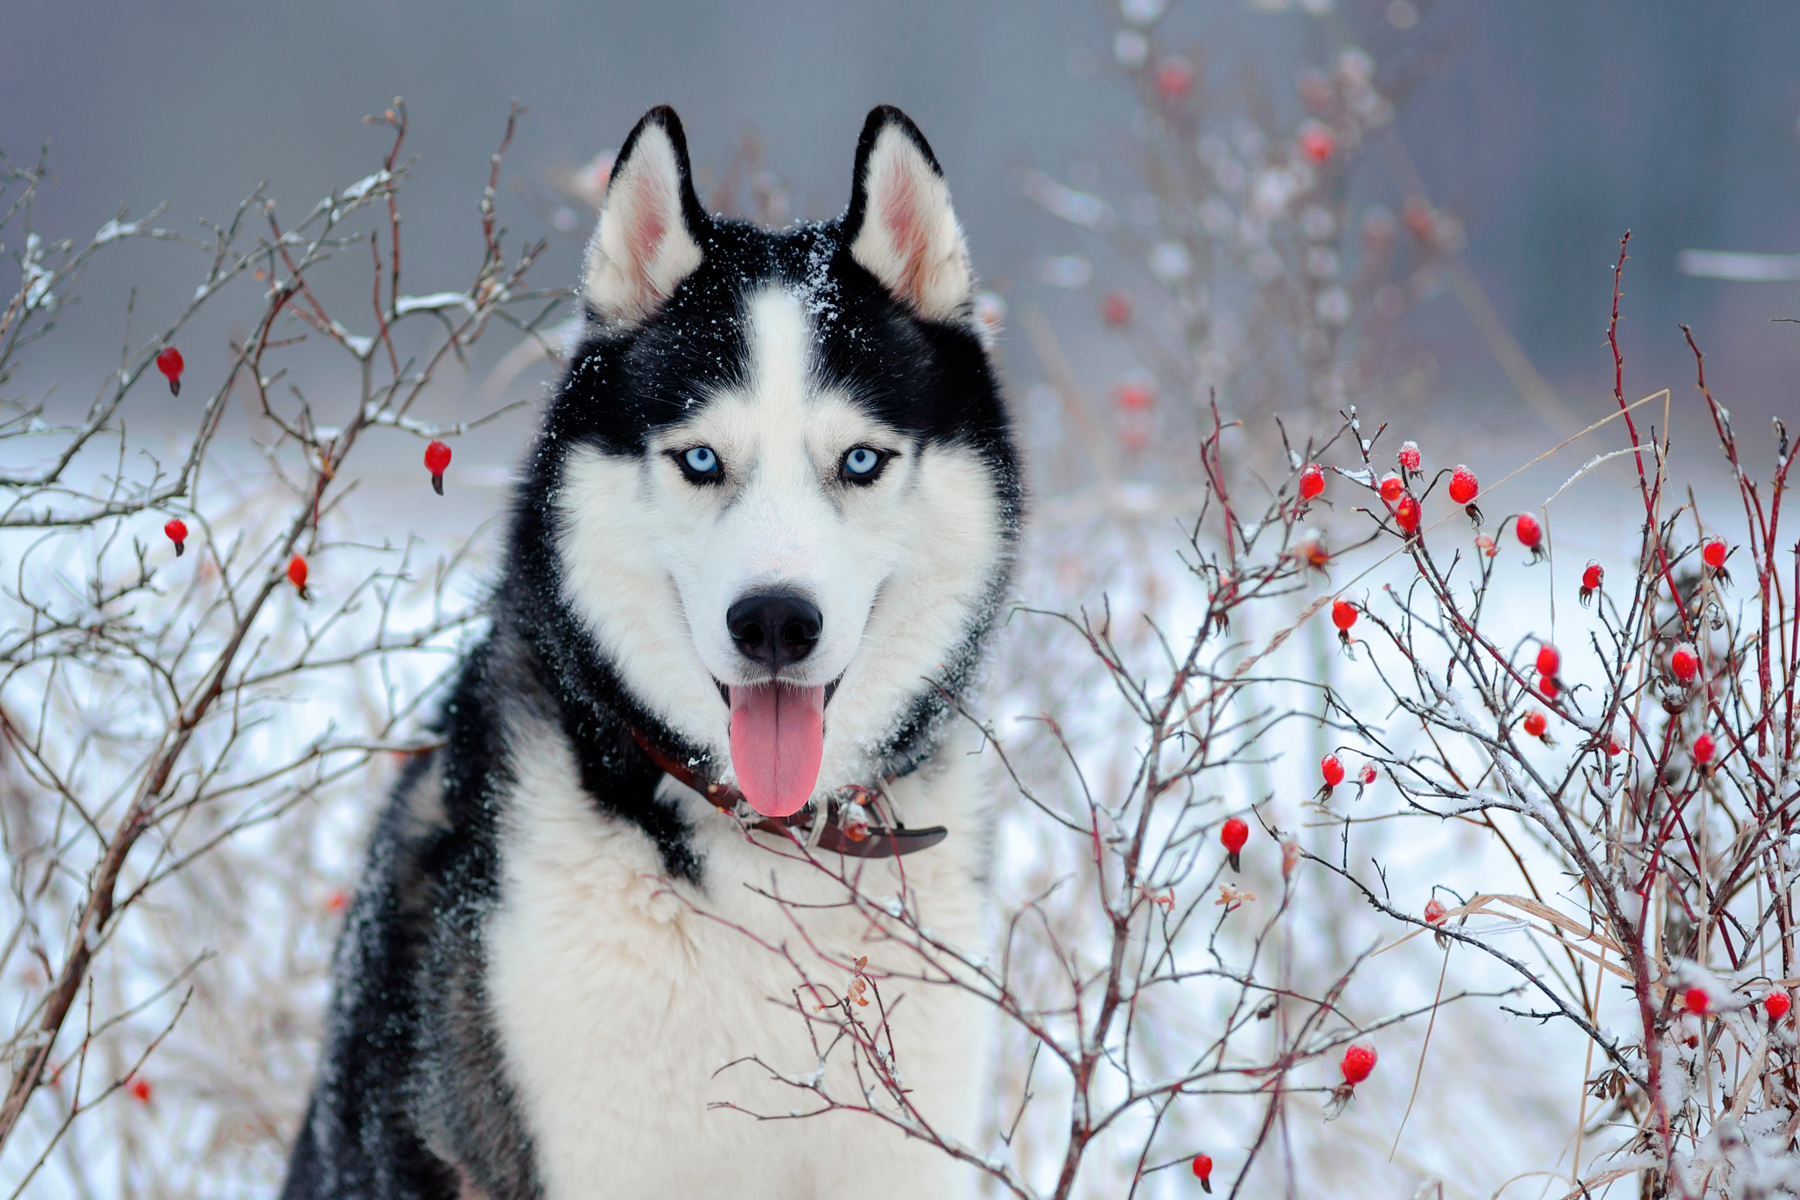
(1545, 128)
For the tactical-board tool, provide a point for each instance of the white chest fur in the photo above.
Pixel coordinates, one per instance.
(619, 995)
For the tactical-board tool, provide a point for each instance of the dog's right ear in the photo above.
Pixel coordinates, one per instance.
(647, 241)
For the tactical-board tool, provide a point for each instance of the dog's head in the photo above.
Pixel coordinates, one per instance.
(782, 486)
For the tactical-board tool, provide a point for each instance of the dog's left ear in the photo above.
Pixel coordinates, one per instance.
(648, 239)
(900, 226)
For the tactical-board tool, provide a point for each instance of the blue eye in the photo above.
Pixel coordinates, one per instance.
(861, 461)
(701, 460)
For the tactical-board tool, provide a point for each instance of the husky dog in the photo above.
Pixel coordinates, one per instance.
(756, 552)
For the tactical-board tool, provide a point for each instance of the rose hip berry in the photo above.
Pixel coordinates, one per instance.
(1435, 912)
(1703, 749)
(1549, 661)
(1410, 458)
(1536, 723)
(139, 1088)
(1590, 582)
(1531, 535)
(1358, 1062)
(437, 459)
(1174, 79)
(1312, 482)
(1684, 664)
(177, 531)
(1232, 835)
(1392, 488)
(1115, 309)
(1203, 1172)
(1696, 1000)
(296, 573)
(1406, 515)
(1776, 1004)
(1464, 487)
(169, 362)
(1713, 555)
(1332, 771)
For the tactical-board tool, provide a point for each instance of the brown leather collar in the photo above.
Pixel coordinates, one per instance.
(845, 830)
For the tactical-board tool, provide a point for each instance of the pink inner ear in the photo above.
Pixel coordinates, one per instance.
(647, 228)
(899, 208)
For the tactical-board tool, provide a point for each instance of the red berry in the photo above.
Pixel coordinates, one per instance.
(1134, 397)
(1368, 775)
(1409, 457)
(1343, 615)
(1203, 1170)
(1776, 1004)
(170, 364)
(1696, 1000)
(1233, 834)
(140, 1089)
(1714, 554)
(1536, 723)
(1590, 578)
(437, 458)
(1312, 482)
(1392, 488)
(296, 574)
(1434, 912)
(1464, 487)
(177, 531)
(1358, 1061)
(1115, 309)
(1530, 534)
(1548, 660)
(1174, 79)
(1406, 515)
(1684, 664)
(1317, 143)
(1547, 684)
(1613, 749)
(1703, 749)
(1332, 770)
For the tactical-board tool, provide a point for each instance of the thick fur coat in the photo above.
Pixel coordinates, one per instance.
(556, 946)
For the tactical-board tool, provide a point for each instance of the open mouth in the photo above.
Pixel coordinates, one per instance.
(777, 742)
(830, 690)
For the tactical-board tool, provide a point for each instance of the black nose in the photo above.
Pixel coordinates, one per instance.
(774, 628)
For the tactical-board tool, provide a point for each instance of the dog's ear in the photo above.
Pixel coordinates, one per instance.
(648, 239)
(900, 226)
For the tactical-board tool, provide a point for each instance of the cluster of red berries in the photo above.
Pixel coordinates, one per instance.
(171, 364)
(1549, 662)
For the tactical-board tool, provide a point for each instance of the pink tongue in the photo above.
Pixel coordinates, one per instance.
(777, 740)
